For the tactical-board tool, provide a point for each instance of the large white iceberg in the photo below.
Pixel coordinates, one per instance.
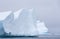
(23, 23)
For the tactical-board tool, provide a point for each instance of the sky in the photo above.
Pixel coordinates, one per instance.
(46, 10)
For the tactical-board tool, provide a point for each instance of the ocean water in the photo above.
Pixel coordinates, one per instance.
(30, 38)
(42, 37)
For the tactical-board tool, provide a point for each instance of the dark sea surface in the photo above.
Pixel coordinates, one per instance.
(40, 37)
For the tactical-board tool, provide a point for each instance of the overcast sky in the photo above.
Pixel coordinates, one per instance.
(46, 10)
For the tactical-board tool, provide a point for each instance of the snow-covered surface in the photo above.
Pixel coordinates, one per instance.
(3, 15)
(17, 13)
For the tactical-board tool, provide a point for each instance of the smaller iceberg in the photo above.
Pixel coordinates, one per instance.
(41, 28)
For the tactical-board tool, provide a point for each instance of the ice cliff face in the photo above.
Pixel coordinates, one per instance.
(5, 17)
(23, 22)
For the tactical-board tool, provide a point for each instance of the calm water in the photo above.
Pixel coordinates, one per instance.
(29, 38)
(51, 37)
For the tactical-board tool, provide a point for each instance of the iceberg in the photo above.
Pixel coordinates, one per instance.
(22, 23)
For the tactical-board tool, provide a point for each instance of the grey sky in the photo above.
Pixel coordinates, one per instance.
(46, 10)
